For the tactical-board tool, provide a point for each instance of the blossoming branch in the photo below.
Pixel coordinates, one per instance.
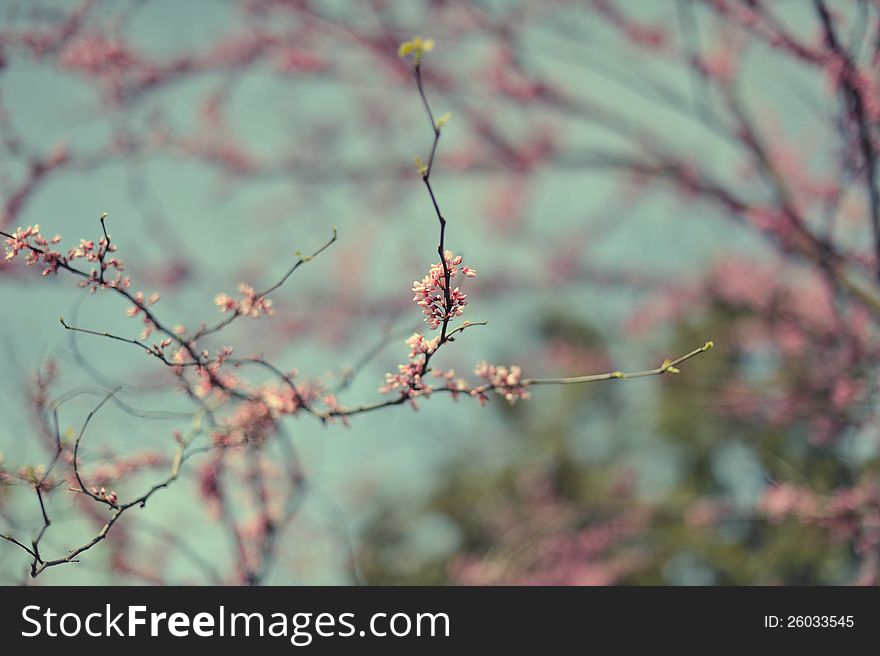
(236, 417)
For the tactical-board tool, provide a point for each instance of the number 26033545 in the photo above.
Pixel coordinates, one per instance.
(809, 621)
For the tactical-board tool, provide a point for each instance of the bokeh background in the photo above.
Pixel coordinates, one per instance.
(629, 179)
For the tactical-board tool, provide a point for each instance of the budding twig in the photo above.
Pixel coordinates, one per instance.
(668, 366)
(303, 259)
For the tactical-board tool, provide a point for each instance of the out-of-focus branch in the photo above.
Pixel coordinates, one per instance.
(856, 108)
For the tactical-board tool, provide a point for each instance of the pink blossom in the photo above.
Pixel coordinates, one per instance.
(418, 345)
(135, 309)
(506, 381)
(225, 302)
(407, 380)
(430, 292)
(211, 378)
(252, 305)
(148, 329)
(32, 241)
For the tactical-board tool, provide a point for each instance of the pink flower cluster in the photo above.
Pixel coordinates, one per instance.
(254, 420)
(88, 250)
(30, 239)
(39, 249)
(507, 381)
(418, 345)
(451, 383)
(430, 292)
(410, 381)
(110, 497)
(252, 305)
(407, 380)
(211, 378)
(410, 377)
(282, 401)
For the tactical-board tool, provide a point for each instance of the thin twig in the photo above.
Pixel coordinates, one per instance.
(296, 265)
(668, 366)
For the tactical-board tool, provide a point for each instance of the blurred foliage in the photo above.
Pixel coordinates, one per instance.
(741, 546)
